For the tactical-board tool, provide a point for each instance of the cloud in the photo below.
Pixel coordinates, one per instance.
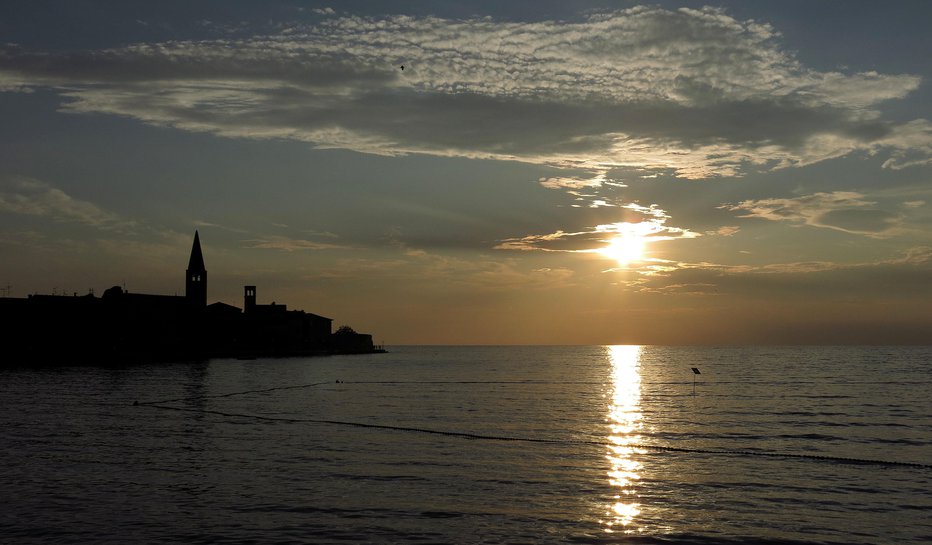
(695, 91)
(32, 197)
(202, 223)
(911, 145)
(845, 211)
(725, 231)
(287, 244)
(905, 274)
(562, 182)
(651, 229)
(441, 275)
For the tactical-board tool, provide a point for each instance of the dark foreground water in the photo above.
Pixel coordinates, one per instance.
(536, 445)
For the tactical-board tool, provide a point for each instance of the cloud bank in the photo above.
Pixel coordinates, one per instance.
(695, 91)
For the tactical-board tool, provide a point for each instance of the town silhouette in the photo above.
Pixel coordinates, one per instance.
(125, 326)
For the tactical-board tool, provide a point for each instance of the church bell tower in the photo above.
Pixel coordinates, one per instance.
(195, 284)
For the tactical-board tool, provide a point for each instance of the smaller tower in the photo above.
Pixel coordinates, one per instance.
(195, 283)
(249, 298)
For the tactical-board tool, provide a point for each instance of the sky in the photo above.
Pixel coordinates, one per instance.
(546, 172)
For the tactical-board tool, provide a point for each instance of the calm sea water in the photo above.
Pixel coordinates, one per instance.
(536, 445)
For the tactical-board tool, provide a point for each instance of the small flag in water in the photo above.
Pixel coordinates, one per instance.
(696, 371)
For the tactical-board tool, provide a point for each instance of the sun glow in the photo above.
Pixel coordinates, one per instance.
(625, 249)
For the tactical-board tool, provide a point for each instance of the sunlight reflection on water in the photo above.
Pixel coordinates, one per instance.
(625, 423)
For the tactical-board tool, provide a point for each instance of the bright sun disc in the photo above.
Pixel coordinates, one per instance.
(624, 249)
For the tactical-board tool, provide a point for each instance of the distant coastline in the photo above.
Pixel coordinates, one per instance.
(121, 326)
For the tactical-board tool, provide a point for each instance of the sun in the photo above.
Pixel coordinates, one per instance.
(625, 249)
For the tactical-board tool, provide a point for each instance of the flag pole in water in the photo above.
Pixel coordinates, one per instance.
(695, 372)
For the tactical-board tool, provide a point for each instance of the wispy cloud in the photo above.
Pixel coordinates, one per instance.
(288, 244)
(202, 223)
(32, 197)
(725, 231)
(430, 271)
(908, 271)
(695, 91)
(846, 211)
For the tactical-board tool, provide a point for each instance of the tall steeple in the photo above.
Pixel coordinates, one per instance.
(195, 284)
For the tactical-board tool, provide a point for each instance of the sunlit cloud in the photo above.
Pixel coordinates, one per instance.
(571, 183)
(623, 241)
(845, 211)
(652, 211)
(564, 182)
(697, 92)
(653, 229)
(725, 231)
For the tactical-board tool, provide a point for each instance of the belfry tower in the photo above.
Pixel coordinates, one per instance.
(195, 283)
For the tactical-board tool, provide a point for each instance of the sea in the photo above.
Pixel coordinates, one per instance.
(475, 444)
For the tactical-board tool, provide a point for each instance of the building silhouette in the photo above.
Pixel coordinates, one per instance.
(195, 277)
(124, 326)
